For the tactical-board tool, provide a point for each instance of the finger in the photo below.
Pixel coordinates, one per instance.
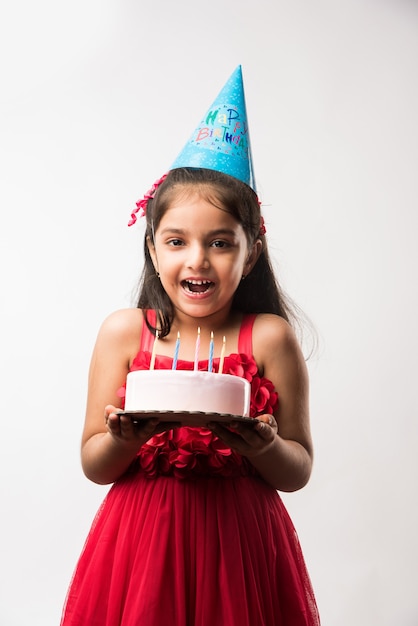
(126, 425)
(148, 427)
(265, 430)
(113, 424)
(159, 427)
(257, 434)
(245, 439)
(267, 420)
(231, 436)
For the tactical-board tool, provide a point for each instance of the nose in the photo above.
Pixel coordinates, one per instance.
(197, 258)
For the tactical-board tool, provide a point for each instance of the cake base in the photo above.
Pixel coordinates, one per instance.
(188, 418)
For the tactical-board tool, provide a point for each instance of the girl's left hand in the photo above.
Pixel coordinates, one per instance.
(248, 439)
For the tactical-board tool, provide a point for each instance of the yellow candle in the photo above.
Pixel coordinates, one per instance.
(196, 352)
(221, 360)
(154, 350)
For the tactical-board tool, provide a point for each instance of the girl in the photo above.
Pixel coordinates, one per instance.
(193, 531)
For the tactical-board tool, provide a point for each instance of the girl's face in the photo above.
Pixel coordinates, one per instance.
(201, 253)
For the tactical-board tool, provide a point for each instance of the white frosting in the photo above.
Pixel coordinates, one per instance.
(181, 390)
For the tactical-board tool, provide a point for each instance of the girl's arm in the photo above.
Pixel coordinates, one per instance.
(280, 447)
(110, 442)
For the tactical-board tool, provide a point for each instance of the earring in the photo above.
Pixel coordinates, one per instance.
(243, 277)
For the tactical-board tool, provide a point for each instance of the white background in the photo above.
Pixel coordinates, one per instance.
(97, 98)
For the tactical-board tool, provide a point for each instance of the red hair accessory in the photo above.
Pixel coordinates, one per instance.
(262, 226)
(141, 205)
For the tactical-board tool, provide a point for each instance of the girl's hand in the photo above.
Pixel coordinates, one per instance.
(122, 428)
(248, 439)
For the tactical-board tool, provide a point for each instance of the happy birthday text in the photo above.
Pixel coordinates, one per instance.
(224, 125)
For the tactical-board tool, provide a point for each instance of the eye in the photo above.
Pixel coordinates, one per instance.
(218, 243)
(175, 242)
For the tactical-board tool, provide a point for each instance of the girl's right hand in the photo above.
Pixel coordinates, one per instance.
(123, 429)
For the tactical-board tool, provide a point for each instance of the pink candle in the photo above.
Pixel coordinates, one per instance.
(196, 352)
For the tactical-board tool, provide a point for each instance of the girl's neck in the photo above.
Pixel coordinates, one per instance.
(188, 327)
(218, 323)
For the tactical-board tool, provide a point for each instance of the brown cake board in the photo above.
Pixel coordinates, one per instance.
(188, 418)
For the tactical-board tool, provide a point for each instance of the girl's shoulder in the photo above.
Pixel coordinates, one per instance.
(273, 336)
(270, 327)
(119, 336)
(121, 330)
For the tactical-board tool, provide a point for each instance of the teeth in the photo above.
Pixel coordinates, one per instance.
(198, 282)
(197, 286)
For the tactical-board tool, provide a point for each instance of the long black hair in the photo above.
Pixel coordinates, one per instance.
(259, 292)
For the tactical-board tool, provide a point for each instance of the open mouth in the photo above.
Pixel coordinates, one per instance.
(197, 286)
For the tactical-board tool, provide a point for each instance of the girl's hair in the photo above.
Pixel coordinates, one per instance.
(259, 292)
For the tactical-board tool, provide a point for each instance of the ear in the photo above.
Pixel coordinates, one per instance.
(252, 257)
(153, 255)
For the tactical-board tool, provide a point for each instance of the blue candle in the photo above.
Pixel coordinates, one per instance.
(210, 364)
(176, 352)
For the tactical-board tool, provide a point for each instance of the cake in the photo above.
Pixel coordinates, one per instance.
(187, 391)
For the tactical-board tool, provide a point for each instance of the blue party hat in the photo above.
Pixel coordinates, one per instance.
(221, 141)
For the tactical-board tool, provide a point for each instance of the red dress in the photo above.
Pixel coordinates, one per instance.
(190, 535)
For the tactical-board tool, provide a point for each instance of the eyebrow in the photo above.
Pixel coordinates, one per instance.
(212, 233)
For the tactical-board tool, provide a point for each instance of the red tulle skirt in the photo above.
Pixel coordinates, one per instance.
(209, 551)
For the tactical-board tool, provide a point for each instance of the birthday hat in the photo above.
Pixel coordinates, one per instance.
(221, 141)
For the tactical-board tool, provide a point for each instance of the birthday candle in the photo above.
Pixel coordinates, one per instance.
(210, 353)
(176, 352)
(154, 349)
(196, 352)
(221, 360)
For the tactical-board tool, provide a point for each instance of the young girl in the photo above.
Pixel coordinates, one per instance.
(193, 531)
